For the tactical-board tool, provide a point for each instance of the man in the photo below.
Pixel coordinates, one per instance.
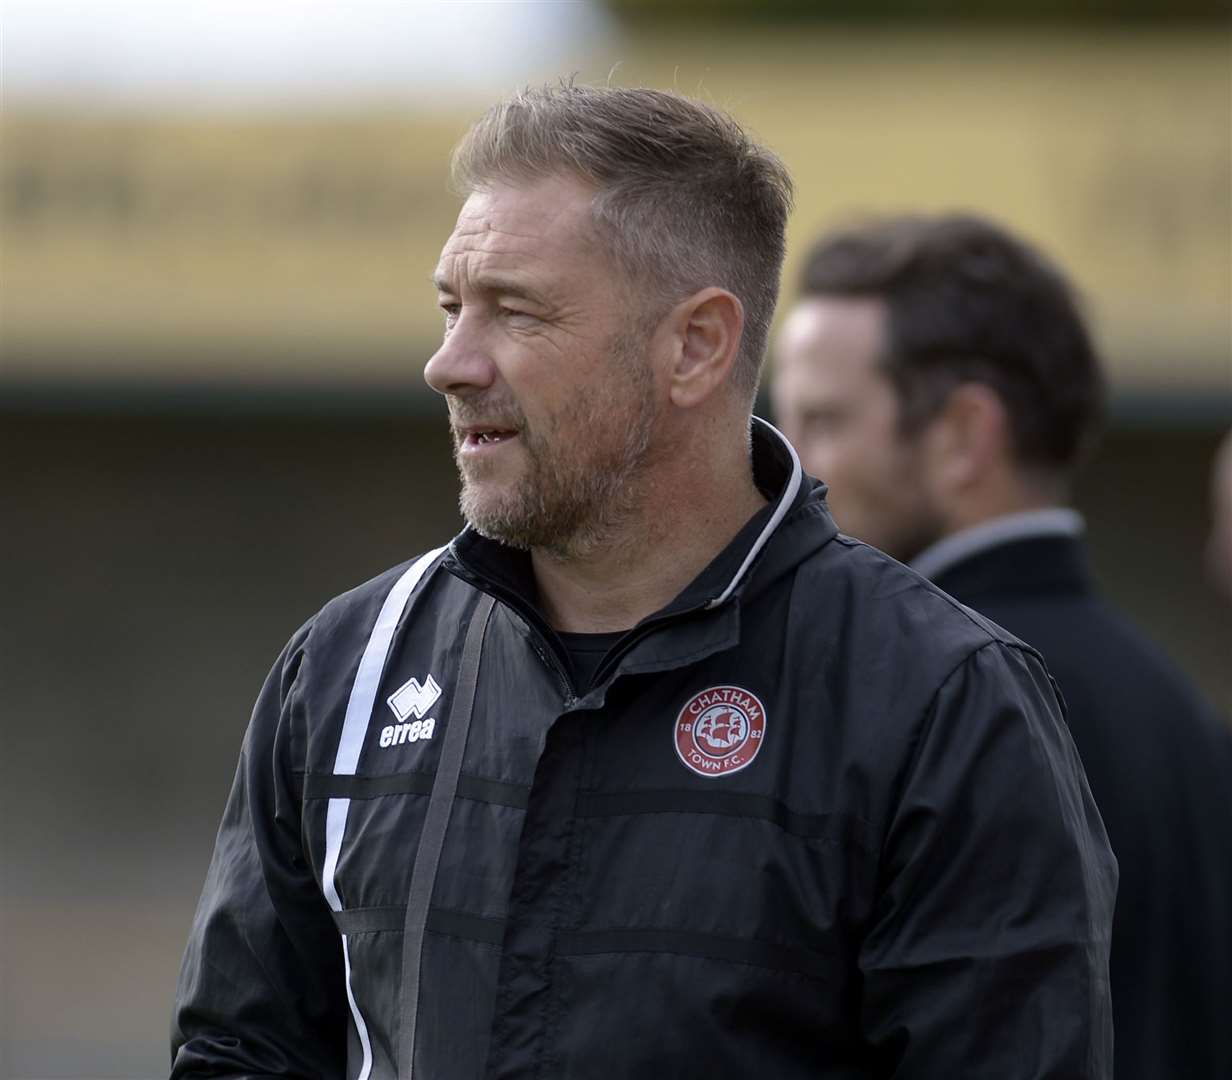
(937, 373)
(648, 773)
(1219, 542)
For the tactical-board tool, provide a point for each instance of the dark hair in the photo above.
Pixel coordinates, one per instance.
(969, 301)
(685, 197)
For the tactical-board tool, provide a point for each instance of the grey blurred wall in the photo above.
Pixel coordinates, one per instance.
(153, 568)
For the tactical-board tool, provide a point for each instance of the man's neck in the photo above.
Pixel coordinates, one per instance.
(688, 515)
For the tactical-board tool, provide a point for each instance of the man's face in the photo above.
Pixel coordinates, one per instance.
(842, 413)
(552, 400)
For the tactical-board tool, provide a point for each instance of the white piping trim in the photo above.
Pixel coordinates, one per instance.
(354, 731)
(335, 826)
(780, 511)
(361, 1028)
(372, 663)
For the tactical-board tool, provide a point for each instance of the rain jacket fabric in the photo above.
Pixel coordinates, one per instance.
(897, 871)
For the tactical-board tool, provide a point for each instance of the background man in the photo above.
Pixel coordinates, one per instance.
(937, 374)
(1219, 542)
(647, 774)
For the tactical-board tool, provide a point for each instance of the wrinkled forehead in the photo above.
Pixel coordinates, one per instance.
(546, 219)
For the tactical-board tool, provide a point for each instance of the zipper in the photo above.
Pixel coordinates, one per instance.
(534, 622)
(636, 635)
(540, 631)
(548, 656)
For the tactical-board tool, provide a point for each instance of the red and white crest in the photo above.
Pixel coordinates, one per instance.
(720, 730)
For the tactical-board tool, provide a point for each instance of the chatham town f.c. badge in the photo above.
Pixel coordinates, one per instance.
(720, 730)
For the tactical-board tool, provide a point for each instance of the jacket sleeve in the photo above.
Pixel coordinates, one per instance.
(261, 989)
(988, 950)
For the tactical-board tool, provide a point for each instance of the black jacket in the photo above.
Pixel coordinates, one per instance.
(1160, 765)
(883, 859)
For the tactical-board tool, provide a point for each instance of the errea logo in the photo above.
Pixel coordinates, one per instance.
(411, 699)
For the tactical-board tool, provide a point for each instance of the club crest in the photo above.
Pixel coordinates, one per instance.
(720, 730)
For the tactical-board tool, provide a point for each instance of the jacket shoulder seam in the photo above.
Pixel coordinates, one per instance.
(984, 625)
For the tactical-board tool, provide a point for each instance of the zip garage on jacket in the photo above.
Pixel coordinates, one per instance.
(812, 819)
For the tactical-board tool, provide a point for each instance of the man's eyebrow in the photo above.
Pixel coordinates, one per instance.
(495, 283)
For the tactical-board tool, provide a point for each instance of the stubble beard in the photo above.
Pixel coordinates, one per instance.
(581, 480)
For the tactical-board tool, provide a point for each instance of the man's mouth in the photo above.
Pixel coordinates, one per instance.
(474, 437)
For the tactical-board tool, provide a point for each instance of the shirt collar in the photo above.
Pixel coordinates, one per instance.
(1025, 525)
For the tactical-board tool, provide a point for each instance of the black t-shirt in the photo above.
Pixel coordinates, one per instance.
(586, 653)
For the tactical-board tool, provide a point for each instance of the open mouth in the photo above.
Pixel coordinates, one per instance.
(489, 436)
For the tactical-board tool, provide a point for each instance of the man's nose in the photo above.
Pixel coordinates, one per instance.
(461, 365)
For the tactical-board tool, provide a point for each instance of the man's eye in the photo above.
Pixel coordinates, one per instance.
(516, 315)
(451, 312)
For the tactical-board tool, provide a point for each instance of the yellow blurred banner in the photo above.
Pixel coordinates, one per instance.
(230, 247)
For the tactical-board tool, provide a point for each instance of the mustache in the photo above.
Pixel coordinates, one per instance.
(495, 411)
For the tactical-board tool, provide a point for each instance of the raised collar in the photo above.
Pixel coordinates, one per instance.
(493, 566)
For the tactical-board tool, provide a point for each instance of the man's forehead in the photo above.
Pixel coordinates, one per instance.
(535, 220)
(825, 329)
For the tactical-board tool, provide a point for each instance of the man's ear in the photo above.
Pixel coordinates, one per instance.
(970, 437)
(705, 339)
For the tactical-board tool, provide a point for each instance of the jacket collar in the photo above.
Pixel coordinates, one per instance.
(1026, 566)
(494, 567)
(1025, 525)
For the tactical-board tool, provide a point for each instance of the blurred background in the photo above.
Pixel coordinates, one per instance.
(218, 224)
